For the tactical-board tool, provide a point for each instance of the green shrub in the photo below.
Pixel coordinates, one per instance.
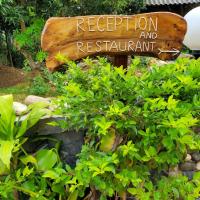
(39, 86)
(136, 127)
(12, 129)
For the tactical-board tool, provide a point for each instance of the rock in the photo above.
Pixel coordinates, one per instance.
(198, 166)
(196, 129)
(174, 171)
(82, 64)
(71, 145)
(43, 127)
(19, 108)
(188, 157)
(157, 62)
(34, 99)
(186, 55)
(43, 135)
(189, 174)
(196, 156)
(191, 151)
(188, 166)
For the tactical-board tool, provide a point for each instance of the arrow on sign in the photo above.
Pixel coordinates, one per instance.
(174, 51)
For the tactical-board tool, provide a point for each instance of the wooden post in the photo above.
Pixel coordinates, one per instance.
(121, 60)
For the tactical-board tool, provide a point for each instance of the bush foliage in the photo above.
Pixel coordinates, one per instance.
(137, 126)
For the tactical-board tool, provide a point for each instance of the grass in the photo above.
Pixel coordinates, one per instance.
(19, 91)
(22, 90)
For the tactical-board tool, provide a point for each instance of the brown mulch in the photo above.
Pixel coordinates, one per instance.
(10, 76)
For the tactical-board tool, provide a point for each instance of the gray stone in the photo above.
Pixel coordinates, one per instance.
(196, 129)
(34, 99)
(189, 174)
(196, 156)
(43, 127)
(43, 135)
(198, 166)
(186, 55)
(174, 171)
(191, 151)
(71, 145)
(188, 157)
(157, 62)
(69, 142)
(19, 108)
(188, 166)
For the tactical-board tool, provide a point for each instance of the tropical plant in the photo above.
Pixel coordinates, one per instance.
(12, 129)
(21, 22)
(10, 15)
(28, 43)
(88, 7)
(137, 127)
(39, 86)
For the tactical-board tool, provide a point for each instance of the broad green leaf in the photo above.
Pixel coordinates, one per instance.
(196, 176)
(157, 196)
(151, 152)
(46, 159)
(186, 139)
(168, 142)
(176, 193)
(103, 125)
(29, 185)
(6, 147)
(28, 159)
(73, 195)
(37, 111)
(51, 174)
(58, 188)
(27, 171)
(3, 169)
(7, 117)
(132, 191)
(149, 186)
(171, 104)
(108, 141)
(103, 197)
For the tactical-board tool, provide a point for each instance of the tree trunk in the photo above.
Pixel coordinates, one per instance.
(25, 53)
(9, 49)
(30, 60)
(124, 196)
(22, 23)
(121, 60)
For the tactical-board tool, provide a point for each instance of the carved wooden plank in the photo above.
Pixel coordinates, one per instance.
(153, 34)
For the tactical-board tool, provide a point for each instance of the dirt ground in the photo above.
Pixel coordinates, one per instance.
(10, 76)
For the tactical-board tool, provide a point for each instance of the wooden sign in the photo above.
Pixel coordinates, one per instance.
(157, 34)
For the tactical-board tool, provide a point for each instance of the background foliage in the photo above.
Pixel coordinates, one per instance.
(21, 23)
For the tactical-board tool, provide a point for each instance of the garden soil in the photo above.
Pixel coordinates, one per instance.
(10, 76)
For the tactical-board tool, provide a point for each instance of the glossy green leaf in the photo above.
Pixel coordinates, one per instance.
(7, 117)
(3, 169)
(28, 159)
(59, 188)
(37, 111)
(73, 195)
(46, 159)
(51, 174)
(6, 148)
(108, 141)
(29, 185)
